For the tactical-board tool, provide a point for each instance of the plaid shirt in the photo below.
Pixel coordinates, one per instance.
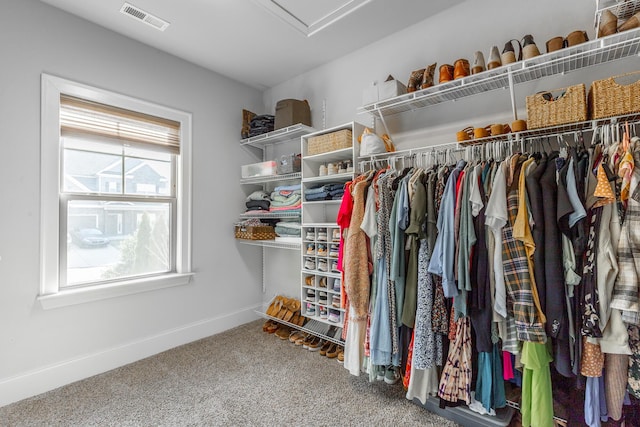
(517, 278)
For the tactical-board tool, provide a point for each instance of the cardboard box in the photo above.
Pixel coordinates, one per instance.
(291, 112)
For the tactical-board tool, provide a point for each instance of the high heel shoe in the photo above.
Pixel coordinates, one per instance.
(529, 48)
(427, 76)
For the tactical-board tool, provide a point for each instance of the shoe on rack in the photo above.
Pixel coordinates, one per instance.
(427, 76)
(311, 310)
(631, 23)
(311, 295)
(323, 312)
(508, 53)
(335, 301)
(322, 171)
(529, 48)
(322, 298)
(311, 249)
(349, 166)
(335, 235)
(494, 58)
(554, 43)
(445, 73)
(608, 24)
(322, 265)
(323, 282)
(576, 37)
(478, 63)
(308, 280)
(311, 234)
(322, 235)
(336, 285)
(461, 68)
(415, 80)
(310, 264)
(334, 316)
(332, 169)
(334, 266)
(322, 249)
(391, 375)
(342, 167)
(333, 251)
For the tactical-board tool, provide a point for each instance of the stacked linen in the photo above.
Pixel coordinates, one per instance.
(286, 198)
(286, 228)
(258, 201)
(331, 191)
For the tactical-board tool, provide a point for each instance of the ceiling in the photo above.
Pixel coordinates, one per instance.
(258, 42)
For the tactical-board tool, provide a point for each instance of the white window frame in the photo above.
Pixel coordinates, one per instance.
(51, 294)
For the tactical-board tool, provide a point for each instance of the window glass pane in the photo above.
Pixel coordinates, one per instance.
(147, 177)
(116, 240)
(87, 172)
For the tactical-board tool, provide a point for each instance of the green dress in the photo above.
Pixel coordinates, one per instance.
(537, 399)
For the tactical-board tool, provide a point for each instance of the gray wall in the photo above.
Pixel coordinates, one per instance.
(43, 349)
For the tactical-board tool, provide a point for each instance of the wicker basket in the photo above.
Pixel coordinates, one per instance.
(571, 107)
(255, 232)
(329, 142)
(608, 97)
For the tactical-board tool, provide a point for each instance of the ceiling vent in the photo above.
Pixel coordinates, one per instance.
(140, 15)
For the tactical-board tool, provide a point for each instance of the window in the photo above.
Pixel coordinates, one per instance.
(115, 194)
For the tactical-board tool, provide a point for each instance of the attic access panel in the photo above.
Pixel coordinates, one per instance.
(311, 16)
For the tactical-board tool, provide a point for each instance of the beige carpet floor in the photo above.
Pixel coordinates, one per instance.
(241, 377)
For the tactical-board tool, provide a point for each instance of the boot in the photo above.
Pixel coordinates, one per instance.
(608, 24)
(246, 123)
(494, 58)
(415, 80)
(427, 76)
(446, 73)
(461, 69)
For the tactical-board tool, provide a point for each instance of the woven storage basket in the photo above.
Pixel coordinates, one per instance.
(329, 142)
(608, 97)
(255, 232)
(569, 108)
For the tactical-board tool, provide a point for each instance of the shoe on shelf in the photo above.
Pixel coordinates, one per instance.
(494, 58)
(334, 266)
(323, 282)
(332, 352)
(349, 166)
(335, 235)
(333, 251)
(427, 76)
(336, 285)
(576, 38)
(323, 312)
(529, 48)
(311, 234)
(508, 53)
(332, 169)
(311, 310)
(322, 235)
(322, 249)
(310, 264)
(608, 24)
(308, 280)
(323, 170)
(311, 295)
(461, 68)
(334, 316)
(325, 347)
(322, 265)
(322, 298)
(342, 167)
(478, 63)
(631, 23)
(311, 249)
(445, 73)
(391, 375)
(554, 43)
(415, 80)
(335, 301)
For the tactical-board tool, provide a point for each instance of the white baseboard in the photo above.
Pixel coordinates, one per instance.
(47, 378)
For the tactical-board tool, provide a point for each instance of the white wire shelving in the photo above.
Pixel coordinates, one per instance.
(277, 136)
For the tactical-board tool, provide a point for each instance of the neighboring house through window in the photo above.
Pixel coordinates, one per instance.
(115, 194)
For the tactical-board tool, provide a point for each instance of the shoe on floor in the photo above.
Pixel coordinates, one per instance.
(391, 375)
(332, 352)
(315, 345)
(340, 356)
(296, 335)
(325, 347)
(283, 332)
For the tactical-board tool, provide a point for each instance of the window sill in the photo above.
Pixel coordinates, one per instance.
(83, 295)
